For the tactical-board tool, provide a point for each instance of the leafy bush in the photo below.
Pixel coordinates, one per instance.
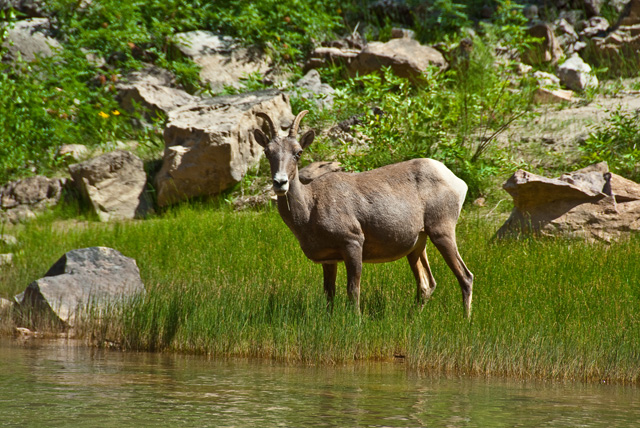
(616, 141)
(286, 27)
(453, 116)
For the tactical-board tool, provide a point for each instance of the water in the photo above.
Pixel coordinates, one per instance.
(54, 383)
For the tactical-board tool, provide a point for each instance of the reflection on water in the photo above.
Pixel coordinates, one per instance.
(61, 384)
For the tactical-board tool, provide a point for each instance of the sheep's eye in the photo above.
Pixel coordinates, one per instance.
(298, 154)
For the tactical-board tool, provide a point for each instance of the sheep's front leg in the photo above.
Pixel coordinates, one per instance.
(329, 271)
(353, 263)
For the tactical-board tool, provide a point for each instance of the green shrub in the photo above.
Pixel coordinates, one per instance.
(616, 141)
(453, 116)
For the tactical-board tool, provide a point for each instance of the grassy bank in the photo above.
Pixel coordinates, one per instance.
(230, 284)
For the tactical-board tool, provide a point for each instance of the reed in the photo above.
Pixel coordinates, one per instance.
(237, 284)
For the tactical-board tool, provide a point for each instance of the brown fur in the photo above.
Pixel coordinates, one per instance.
(375, 216)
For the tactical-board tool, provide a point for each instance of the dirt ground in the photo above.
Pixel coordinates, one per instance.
(549, 139)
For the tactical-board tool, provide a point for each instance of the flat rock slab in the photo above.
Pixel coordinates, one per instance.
(590, 203)
(209, 145)
(114, 184)
(89, 277)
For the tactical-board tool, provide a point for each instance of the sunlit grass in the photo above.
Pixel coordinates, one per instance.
(237, 284)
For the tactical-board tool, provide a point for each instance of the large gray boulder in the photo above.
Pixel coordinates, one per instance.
(29, 39)
(406, 57)
(209, 145)
(114, 184)
(23, 199)
(223, 62)
(591, 203)
(93, 277)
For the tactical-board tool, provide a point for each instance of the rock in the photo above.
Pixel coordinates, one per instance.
(406, 57)
(24, 332)
(6, 259)
(353, 41)
(114, 184)
(28, 40)
(595, 26)
(545, 79)
(74, 152)
(8, 240)
(30, 8)
(311, 87)
(318, 169)
(521, 69)
(326, 56)
(151, 88)
(402, 33)
(621, 46)
(566, 35)
(576, 74)
(223, 62)
(93, 277)
(480, 202)
(209, 145)
(552, 96)
(575, 17)
(592, 7)
(5, 306)
(21, 200)
(630, 14)
(547, 51)
(590, 203)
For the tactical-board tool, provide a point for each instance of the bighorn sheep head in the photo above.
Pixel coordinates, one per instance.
(283, 153)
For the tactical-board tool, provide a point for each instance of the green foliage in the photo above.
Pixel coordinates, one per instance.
(453, 116)
(286, 27)
(46, 104)
(442, 19)
(616, 141)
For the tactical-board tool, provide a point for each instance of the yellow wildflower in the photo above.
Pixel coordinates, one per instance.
(103, 115)
(115, 113)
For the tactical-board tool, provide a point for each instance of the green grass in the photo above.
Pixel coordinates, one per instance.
(229, 284)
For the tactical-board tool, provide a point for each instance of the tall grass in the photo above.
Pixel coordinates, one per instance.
(228, 284)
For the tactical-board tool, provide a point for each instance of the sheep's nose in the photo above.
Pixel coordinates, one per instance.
(280, 182)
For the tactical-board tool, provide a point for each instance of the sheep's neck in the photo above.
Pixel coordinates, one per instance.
(294, 206)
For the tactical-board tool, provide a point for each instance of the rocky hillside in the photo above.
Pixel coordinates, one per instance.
(135, 109)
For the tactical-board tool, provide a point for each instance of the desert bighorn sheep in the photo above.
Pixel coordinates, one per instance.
(374, 216)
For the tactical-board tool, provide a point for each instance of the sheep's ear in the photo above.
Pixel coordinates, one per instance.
(307, 139)
(260, 137)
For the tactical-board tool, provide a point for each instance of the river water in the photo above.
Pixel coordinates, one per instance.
(60, 383)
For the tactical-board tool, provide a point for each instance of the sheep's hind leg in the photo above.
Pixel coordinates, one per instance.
(425, 281)
(445, 242)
